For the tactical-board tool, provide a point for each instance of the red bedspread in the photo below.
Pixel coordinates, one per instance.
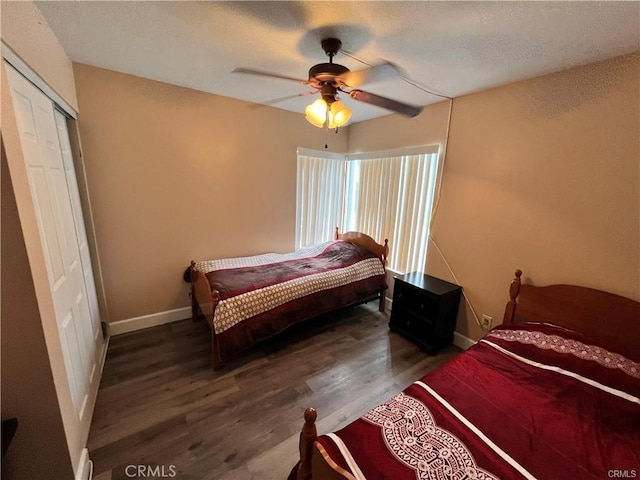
(527, 401)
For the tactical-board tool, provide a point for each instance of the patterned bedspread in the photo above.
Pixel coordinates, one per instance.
(527, 401)
(262, 295)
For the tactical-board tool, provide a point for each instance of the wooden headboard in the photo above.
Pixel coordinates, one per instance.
(611, 320)
(365, 241)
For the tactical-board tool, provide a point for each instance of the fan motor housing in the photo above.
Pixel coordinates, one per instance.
(326, 72)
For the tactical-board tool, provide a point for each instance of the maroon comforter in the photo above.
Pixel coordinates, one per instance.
(258, 301)
(527, 401)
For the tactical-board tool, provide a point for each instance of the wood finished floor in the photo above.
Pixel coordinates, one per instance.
(160, 404)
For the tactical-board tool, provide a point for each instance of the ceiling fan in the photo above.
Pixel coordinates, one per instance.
(331, 78)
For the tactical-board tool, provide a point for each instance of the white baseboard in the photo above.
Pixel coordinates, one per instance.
(146, 321)
(461, 341)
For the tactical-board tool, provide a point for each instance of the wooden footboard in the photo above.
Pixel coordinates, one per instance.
(203, 301)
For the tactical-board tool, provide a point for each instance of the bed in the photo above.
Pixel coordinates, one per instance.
(248, 299)
(553, 392)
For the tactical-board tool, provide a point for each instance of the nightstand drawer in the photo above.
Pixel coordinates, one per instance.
(412, 323)
(420, 303)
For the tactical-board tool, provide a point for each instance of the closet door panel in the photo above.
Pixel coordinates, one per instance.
(81, 235)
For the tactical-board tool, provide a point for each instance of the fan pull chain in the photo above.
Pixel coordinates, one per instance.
(326, 129)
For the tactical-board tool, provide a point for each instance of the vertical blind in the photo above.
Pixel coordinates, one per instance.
(320, 196)
(394, 200)
(384, 194)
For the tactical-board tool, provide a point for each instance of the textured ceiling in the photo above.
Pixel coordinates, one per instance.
(451, 48)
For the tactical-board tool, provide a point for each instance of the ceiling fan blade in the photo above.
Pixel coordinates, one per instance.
(262, 73)
(282, 99)
(394, 105)
(376, 73)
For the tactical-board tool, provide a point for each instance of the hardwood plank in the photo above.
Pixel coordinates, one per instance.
(160, 404)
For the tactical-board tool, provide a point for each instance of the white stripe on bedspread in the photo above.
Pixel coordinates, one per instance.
(562, 371)
(505, 456)
(346, 454)
(232, 311)
(208, 266)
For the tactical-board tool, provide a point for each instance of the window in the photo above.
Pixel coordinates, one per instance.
(384, 194)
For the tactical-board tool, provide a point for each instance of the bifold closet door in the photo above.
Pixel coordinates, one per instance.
(54, 191)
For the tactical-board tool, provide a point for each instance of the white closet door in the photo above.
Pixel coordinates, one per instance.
(81, 234)
(56, 201)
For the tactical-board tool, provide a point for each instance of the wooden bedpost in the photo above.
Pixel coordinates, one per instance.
(308, 436)
(385, 253)
(216, 360)
(194, 303)
(335, 237)
(514, 290)
(383, 300)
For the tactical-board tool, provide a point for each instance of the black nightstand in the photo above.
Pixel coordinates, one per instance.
(425, 309)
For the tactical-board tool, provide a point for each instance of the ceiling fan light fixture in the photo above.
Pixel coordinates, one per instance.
(316, 113)
(339, 114)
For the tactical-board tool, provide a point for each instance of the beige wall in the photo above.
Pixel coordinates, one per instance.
(541, 175)
(177, 174)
